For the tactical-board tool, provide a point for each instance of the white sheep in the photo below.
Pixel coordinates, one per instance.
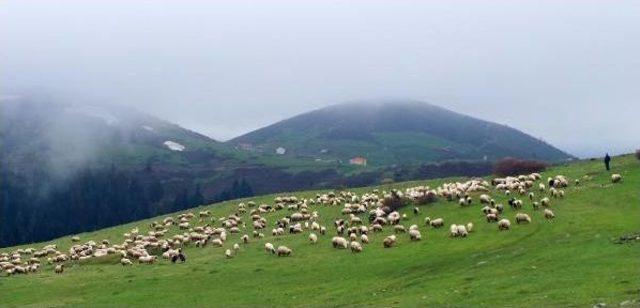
(355, 247)
(313, 238)
(339, 242)
(228, 254)
(59, 269)
(437, 223)
(415, 235)
(268, 247)
(522, 217)
(389, 241)
(504, 224)
(548, 214)
(364, 238)
(615, 178)
(125, 262)
(283, 251)
(469, 227)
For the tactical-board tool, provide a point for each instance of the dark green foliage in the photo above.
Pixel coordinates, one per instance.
(513, 166)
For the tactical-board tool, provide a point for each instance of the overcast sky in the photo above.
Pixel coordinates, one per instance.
(567, 72)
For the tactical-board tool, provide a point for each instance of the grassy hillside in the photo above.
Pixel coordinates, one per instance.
(571, 260)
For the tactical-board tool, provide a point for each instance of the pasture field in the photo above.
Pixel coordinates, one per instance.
(572, 260)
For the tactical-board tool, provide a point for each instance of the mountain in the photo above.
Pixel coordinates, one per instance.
(395, 132)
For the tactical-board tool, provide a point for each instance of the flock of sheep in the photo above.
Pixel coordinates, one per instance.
(362, 215)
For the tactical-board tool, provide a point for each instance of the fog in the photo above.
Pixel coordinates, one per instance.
(566, 72)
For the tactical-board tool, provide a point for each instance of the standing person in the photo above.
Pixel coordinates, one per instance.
(607, 159)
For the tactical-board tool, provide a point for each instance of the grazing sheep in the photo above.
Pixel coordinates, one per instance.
(355, 247)
(469, 227)
(147, 259)
(548, 214)
(59, 269)
(283, 251)
(228, 254)
(541, 187)
(75, 239)
(437, 223)
(125, 262)
(236, 247)
(353, 236)
(500, 208)
(399, 229)
(615, 178)
(389, 241)
(339, 242)
(245, 239)
(416, 211)
(545, 202)
(313, 238)
(462, 231)
(268, 247)
(504, 224)
(364, 239)
(535, 205)
(415, 235)
(485, 199)
(522, 217)
(491, 217)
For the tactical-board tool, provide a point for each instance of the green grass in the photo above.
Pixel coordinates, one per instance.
(570, 261)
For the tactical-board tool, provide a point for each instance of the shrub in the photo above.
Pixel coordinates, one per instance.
(393, 201)
(426, 198)
(638, 154)
(513, 166)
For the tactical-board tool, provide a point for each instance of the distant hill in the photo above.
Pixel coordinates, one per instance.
(395, 132)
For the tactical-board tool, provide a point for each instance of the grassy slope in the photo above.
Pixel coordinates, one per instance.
(568, 261)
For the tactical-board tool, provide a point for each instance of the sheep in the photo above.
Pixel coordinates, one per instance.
(416, 210)
(236, 247)
(504, 224)
(485, 199)
(535, 205)
(415, 235)
(437, 223)
(500, 208)
(521, 217)
(217, 242)
(541, 187)
(245, 239)
(268, 247)
(313, 238)
(323, 230)
(339, 242)
(228, 254)
(546, 202)
(283, 251)
(491, 217)
(355, 247)
(75, 239)
(389, 241)
(616, 178)
(548, 214)
(469, 227)
(462, 231)
(364, 239)
(147, 259)
(353, 236)
(59, 269)
(125, 262)
(399, 229)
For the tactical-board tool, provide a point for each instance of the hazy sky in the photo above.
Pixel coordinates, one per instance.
(568, 72)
